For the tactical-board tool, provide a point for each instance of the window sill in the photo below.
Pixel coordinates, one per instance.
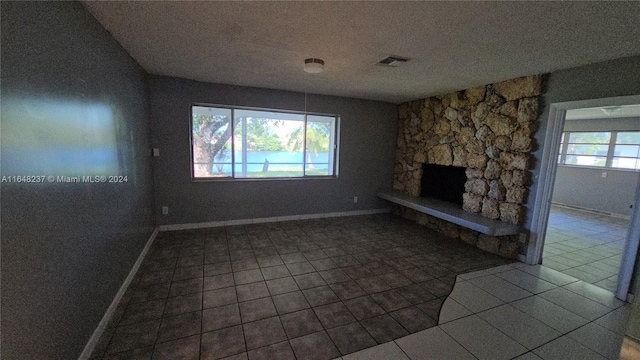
(228, 179)
(603, 168)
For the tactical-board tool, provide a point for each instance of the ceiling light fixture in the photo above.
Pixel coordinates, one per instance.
(313, 66)
(611, 110)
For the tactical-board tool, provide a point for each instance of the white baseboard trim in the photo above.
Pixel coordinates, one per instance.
(593, 211)
(93, 341)
(270, 219)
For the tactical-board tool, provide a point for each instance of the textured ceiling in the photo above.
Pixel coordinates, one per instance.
(452, 45)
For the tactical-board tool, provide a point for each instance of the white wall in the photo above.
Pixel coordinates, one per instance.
(586, 187)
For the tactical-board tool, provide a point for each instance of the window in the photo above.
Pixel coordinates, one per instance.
(587, 148)
(626, 154)
(612, 149)
(261, 143)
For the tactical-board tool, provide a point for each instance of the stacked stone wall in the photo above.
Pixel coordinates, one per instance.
(489, 131)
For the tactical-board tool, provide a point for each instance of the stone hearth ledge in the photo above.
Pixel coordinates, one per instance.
(452, 213)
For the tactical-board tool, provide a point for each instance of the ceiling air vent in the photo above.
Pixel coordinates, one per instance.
(392, 61)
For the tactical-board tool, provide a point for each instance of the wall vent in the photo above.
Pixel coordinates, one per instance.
(392, 61)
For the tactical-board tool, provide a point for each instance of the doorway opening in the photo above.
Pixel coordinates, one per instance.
(583, 224)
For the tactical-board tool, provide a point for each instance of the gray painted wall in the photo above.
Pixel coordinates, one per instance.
(367, 150)
(585, 187)
(68, 91)
(602, 80)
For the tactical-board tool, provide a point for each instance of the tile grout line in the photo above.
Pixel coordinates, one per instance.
(560, 336)
(235, 289)
(456, 341)
(175, 266)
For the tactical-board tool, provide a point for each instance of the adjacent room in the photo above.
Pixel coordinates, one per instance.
(595, 187)
(319, 180)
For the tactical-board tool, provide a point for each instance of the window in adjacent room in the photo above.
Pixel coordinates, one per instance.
(261, 143)
(626, 153)
(587, 148)
(611, 149)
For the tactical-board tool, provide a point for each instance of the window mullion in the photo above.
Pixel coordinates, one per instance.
(612, 145)
(333, 150)
(565, 147)
(304, 148)
(244, 147)
(233, 144)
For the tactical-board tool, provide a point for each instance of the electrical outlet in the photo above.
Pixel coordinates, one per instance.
(604, 174)
(156, 152)
(355, 199)
(165, 210)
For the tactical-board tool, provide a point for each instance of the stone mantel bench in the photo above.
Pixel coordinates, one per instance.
(452, 213)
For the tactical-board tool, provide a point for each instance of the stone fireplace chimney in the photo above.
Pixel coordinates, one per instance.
(487, 130)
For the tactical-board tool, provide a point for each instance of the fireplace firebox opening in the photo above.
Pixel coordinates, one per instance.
(443, 182)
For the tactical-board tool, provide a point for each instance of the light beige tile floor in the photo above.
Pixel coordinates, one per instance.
(537, 313)
(585, 245)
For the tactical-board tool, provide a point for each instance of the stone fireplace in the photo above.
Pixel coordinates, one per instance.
(487, 131)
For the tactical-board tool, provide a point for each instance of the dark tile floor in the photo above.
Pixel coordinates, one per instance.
(313, 289)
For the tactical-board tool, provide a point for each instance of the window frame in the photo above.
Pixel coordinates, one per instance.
(305, 114)
(613, 136)
(614, 157)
